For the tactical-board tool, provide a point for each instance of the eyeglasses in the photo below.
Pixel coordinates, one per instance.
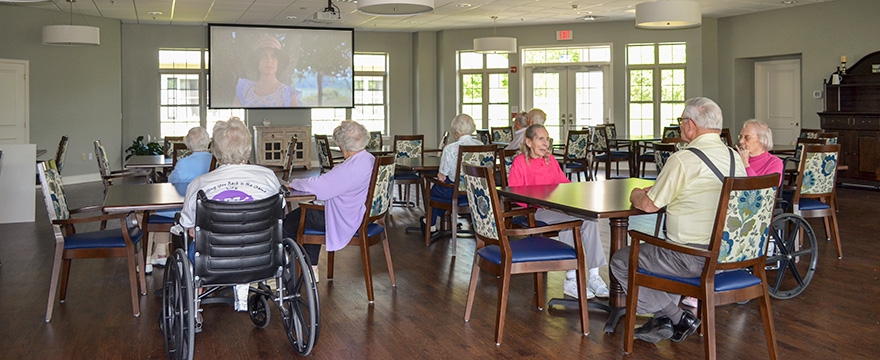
(682, 120)
(741, 136)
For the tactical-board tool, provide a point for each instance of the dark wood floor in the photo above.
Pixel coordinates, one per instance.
(836, 317)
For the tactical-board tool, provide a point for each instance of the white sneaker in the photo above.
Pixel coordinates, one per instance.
(159, 261)
(148, 269)
(597, 286)
(570, 288)
(315, 271)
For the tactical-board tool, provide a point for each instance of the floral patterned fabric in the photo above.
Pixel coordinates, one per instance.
(483, 136)
(375, 140)
(486, 159)
(577, 145)
(408, 148)
(599, 143)
(502, 134)
(660, 157)
(480, 204)
(62, 152)
(820, 173)
(53, 191)
(747, 224)
(671, 132)
(382, 192)
(103, 162)
(323, 152)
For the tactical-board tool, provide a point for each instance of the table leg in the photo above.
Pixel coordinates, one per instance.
(617, 298)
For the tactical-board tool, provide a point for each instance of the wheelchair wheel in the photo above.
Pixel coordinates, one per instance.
(258, 309)
(300, 309)
(792, 262)
(178, 307)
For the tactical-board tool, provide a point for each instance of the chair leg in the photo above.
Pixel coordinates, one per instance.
(133, 278)
(708, 326)
(539, 289)
(501, 311)
(387, 250)
(65, 273)
(141, 274)
(365, 259)
(428, 216)
(454, 223)
(835, 230)
(331, 256)
(53, 283)
(767, 316)
(472, 288)
(632, 299)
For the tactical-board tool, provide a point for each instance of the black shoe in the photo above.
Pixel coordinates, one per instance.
(655, 330)
(686, 326)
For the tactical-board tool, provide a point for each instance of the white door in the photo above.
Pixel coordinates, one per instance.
(778, 98)
(572, 96)
(14, 102)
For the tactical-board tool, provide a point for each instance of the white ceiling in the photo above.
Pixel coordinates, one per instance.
(447, 14)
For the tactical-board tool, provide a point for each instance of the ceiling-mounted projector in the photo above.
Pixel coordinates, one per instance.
(330, 13)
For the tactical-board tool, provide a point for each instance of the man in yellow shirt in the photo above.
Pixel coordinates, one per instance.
(689, 189)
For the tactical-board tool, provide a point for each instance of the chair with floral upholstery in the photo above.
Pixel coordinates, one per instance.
(372, 230)
(576, 159)
(108, 175)
(408, 146)
(815, 194)
(375, 140)
(484, 136)
(121, 242)
(734, 266)
(325, 156)
(604, 151)
(502, 134)
(530, 254)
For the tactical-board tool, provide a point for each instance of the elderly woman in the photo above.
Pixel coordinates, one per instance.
(343, 190)
(462, 128)
(755, 142)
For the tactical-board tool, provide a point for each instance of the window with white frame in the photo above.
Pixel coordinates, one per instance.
(370, 98)
(484, 88)
(656, 82)
(183, 96)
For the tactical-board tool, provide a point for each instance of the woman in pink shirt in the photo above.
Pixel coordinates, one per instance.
(755, 142)
(537, 166)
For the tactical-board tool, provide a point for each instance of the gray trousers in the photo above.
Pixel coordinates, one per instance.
(659, 261)
(593, 252)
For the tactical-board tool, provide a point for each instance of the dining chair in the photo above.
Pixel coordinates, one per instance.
(482, 155)
(502, 134)
(372, 229)
(409, 146)
(734, 261)
(576, 158)
(325, 156)
(121, 242)
(662, 152)
(725, 137)
(108, 175)
(603, 152)
(287, 174)
(484, 136)
(178, 150)
(506, 158)
(815, 195)
(791, 164)
(443, 141)
(810, 133)
(502, 257)
(671, 132)
(168, 144)
(830, 137)
(375, 140)
(61, 154)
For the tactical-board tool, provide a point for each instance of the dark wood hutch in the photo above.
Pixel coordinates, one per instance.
(852, 109)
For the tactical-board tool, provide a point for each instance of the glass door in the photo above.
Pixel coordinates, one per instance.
(572, 96)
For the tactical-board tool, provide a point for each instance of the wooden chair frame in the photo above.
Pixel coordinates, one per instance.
(829, 214)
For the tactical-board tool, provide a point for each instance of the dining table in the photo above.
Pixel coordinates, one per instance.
(592, 200)
(149, 162)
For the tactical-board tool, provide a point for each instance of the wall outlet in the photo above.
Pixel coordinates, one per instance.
(91, 156)
(817, 94)
(84, 156)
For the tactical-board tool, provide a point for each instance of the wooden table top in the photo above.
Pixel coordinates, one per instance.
(380, 151)
(593, 199)
(161, 196)
(417, 164)
(148, 161)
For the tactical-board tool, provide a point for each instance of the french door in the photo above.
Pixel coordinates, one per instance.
(572, 96)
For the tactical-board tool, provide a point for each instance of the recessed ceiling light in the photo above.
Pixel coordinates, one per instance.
(155, 13)
(291, 17)
(789, 2)
(413, 21)
(463, 5)
(584, 12)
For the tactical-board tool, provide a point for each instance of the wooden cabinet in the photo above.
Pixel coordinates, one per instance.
(270, 144)
(852, 109)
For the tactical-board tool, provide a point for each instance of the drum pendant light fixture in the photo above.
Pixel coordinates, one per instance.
(671, 14)
(495, 44)
(71, 35)
(395, 7)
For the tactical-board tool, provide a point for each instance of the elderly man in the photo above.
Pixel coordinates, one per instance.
(689, 189)
(343, 190)
(537, 116)
(520, 123)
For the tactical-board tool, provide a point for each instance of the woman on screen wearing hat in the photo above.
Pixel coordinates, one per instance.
(268, 60)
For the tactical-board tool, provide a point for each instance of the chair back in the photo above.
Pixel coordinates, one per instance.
(444, 140)
(725, 137)
(168, 144)
(410, 146)
(483, 202)
(829, 137)
(178, 150)
(810, 133)
(662, 152)
(478, 155)
(600, 139)
(61, 153)
(742, 223)
(671, 132)
(291, 155)
(53, 191)
(375, 140)
(611, 131)
(817, 172)
(237, 242)
(578, 144)
(103, 162)
(325, 158)
(803, 142)
(484, 137)
(381, 188)
(502, 134)
(506, 157)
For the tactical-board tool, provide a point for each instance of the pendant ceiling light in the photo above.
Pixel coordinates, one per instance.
(395, 7)
(495, 44)
(672, 14)
(71, 35)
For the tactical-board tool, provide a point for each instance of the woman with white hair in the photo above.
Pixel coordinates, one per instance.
(462, 128)
(343, 190)
(755, 143)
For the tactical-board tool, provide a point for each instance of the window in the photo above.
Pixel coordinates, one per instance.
(656, 81)
(370, 77)
(484, 88)
(183, 96)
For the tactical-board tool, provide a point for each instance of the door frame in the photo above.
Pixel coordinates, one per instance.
(761, 67)
(21, 104)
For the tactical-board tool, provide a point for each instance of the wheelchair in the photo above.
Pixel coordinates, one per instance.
(792, 255)
(239, 243)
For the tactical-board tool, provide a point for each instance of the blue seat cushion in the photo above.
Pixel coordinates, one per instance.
(158, 219)
(805, 204)
(724, 281)
(647, 156)
(462, 200)
(100, 239)
(523, 221)
(406, 176)
(615, 155)
(574, 165)
(373, 229)
(532, 248)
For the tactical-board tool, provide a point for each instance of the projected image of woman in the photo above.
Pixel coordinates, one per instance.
(265, 64)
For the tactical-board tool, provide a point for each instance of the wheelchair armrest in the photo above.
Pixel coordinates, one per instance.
(638, 236)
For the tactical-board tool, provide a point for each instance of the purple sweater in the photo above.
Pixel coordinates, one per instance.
(765, 164)
(344, 192)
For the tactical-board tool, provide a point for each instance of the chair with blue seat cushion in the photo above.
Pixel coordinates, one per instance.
(815, 194)
(108, 175)
(502, 134)
(576, 159)
(531, 254)
(481, 155)
(484, 136)
(325, 155)
(604, 151)
(734, 261)
(69, 244)
(372, 230)
(409, 146)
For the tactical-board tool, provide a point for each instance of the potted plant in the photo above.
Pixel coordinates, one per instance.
(139, 148)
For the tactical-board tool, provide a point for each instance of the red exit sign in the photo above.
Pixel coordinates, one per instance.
(563, 35)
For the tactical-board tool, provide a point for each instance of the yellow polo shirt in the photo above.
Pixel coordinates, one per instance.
(690, 190)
